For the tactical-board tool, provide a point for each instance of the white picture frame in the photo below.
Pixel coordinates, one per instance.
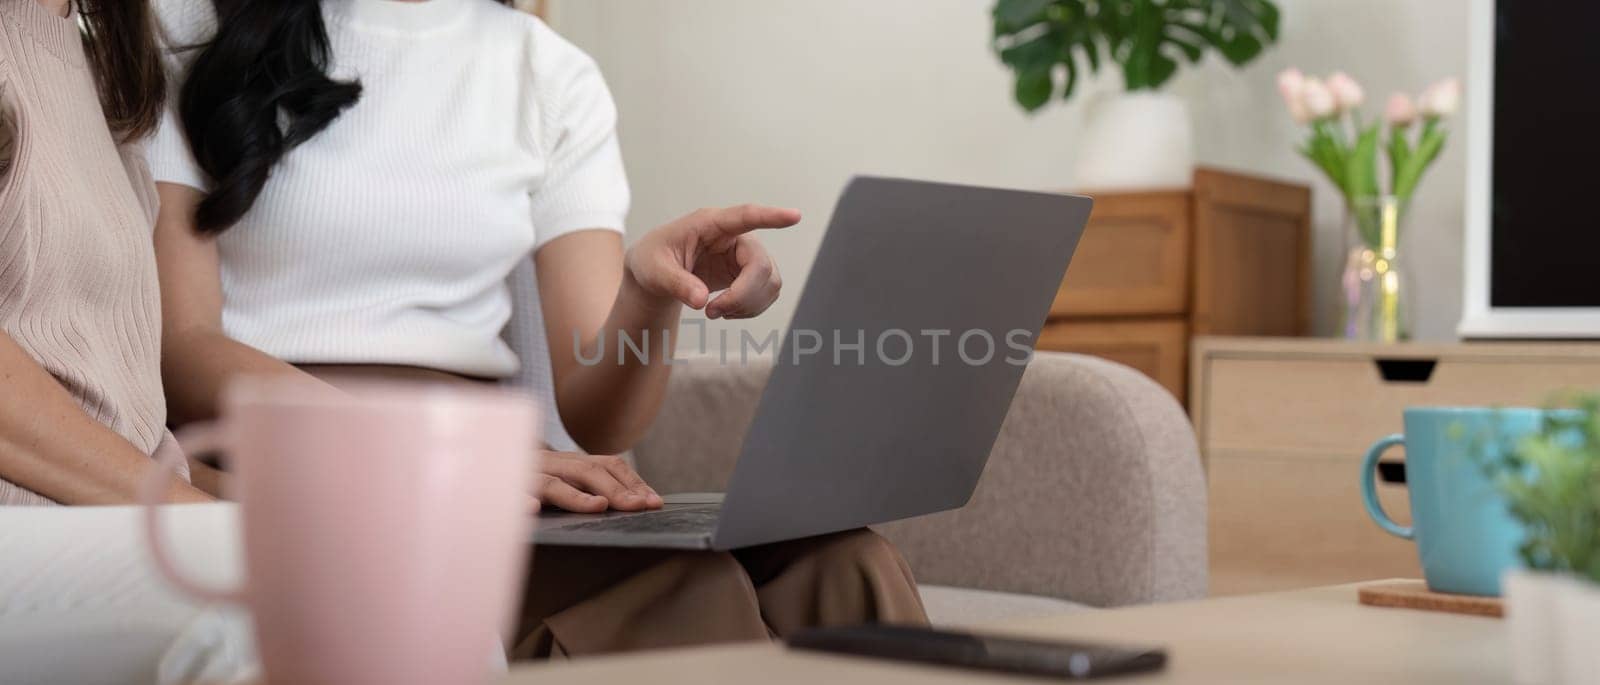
(1479, 318)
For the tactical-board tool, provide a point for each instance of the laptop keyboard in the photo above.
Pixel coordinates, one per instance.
(687, 520)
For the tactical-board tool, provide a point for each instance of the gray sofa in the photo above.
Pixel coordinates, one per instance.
(1093, 495)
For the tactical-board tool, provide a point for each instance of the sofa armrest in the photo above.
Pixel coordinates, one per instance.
(1093, 493)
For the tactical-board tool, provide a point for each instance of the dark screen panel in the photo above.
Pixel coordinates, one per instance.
(1545, 238)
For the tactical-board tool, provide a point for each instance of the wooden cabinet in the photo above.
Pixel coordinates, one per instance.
(1224, 257)
(1283, 424)
(1133, 259)
(1156, 345)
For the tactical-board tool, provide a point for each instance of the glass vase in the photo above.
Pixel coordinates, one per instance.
(1376, 289)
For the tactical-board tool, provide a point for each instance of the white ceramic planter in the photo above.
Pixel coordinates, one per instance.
(1135, 140)
(1531, 620)
(1579, 607)
(1554, 624)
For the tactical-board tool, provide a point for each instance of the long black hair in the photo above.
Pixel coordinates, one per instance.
(255, 91)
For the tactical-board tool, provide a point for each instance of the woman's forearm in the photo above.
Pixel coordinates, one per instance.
(197, 365)
(608, 394)
(49, 445)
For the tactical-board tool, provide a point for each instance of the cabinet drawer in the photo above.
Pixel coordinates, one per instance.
(1133, 258)
(1155, 347)
(1279, 523)
(1342, 404)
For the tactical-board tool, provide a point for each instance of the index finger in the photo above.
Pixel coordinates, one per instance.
(739, 220)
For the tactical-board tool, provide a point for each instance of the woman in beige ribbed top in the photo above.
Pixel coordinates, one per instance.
(81, 407)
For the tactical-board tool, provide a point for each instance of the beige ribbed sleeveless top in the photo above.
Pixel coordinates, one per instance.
(78, 285)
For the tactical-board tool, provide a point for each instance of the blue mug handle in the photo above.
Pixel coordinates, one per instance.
(1369, 487)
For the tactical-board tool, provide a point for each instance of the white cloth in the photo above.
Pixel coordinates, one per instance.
(217, 648)
(388, 238)
(82, 603)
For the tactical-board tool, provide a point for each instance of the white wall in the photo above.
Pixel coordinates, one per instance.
(780, 101)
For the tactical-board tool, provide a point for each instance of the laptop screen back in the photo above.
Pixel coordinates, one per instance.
(905, 351)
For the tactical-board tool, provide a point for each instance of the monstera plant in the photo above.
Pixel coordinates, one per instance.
(1142, 137)
(1049, 44)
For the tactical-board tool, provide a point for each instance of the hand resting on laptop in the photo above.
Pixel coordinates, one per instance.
(590, 484)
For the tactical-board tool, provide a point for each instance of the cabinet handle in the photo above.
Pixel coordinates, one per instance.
(1406, 370)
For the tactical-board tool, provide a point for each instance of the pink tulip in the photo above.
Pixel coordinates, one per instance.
(1318, 100)
(1441, 99)
(1347, 94)
(1400, 112)
(1290, 84)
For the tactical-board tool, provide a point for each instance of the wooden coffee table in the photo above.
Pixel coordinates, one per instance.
(1320, 635)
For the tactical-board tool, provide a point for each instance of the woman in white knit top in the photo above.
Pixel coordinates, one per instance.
(352, 195)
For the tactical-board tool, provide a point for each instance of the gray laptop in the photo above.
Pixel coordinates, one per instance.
(947, 286)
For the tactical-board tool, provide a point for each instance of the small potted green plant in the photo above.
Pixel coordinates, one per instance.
(1551, 482)
(1142, 137)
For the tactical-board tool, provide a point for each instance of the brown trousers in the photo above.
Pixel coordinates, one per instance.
(586, 601)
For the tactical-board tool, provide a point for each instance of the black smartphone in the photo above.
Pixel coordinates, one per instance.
(1065, 660)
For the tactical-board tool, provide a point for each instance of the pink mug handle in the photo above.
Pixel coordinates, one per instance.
(195, 438)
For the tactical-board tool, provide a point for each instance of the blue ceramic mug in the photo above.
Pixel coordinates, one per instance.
(1463, 529)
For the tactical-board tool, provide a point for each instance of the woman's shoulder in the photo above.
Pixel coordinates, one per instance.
(546, 51)
(558, 86)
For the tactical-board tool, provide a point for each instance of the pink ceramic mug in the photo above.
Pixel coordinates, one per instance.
(385, 529)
